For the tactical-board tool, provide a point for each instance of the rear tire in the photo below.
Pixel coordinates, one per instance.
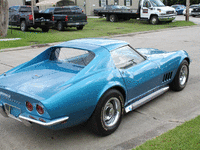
(23, 26)
(181, 77)
(79, 28)
(60, 26)
(108, 113)
(113, 18)
(45, 29)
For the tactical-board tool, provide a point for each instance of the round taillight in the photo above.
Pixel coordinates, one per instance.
(29, 106)
(39, 109)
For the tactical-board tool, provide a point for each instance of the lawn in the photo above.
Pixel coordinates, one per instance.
(183, 137)
(95, 28)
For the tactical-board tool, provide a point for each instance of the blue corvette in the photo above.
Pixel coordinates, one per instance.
(89, 80)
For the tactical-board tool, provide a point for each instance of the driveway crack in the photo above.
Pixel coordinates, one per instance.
(7, 65)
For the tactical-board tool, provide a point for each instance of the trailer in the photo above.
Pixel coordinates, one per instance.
(153, 11)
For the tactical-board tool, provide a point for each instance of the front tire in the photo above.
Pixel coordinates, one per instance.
(23, 26)
(154, 20)
(181, 77)
(108, 113)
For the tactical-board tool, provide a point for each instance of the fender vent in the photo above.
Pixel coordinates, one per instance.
(167, 76)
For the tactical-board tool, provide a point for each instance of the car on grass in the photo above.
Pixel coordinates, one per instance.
(89, 80)
(179, 8)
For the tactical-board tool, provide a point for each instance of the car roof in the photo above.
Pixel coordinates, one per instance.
(93, 44)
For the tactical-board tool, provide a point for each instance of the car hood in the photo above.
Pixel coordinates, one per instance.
(39, 82)
(166, 8)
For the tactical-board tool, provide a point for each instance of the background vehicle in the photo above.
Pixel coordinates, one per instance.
(190, 9)
(195, 11)
(150, 10)
(68, 16)
(111, 8)
(22, 16)
(94, 80)
(179, 8)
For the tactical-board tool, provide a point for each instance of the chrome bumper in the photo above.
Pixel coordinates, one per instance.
(27, 121)
(77, 24)
(166, 18)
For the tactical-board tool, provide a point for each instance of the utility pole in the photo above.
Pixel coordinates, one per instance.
(32, 4)
(4, 17)
(187, 10)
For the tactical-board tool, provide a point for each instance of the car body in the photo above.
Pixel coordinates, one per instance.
(111, 8)
(196, 11)
(190, 9)
(94, 80)
(179, 8)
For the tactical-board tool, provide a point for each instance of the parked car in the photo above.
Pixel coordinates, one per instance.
(111, 8)
(190, 9)
(22, 16)
(94, 80)
(195, 11)
(179, 8)
(68, 16)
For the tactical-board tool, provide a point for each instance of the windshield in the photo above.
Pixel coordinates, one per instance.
(157, 3)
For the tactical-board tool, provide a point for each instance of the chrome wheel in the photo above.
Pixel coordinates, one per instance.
(154, 20)
(183, 75)
(112, 18)
(23, 26)
(111, 112)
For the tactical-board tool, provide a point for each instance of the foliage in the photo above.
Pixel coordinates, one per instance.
(95, 28)
(183, 137)
(183, 2)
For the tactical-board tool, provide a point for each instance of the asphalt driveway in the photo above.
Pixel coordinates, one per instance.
(146, 122)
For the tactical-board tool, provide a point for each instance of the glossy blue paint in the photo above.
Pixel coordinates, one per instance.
(65, 89)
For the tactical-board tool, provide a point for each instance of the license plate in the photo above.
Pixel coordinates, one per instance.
(11, 110)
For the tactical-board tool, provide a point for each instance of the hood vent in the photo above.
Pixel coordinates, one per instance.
(167, 76)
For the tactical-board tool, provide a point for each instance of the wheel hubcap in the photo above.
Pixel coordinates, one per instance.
(111, 112)
(111, 18)
(154, 20)
(183, 75)
(23, 26)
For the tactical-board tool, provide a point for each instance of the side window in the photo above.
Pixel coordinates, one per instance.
(146, 4)
(126, 57)
(46, 11)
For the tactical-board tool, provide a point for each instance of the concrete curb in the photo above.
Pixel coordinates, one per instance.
(111, 36)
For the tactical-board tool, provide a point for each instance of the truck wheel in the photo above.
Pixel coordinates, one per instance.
(45, 29)
(108, 113)
(79, 28)
(113, 18)
(60, 26)
(23, 26)
(154, 20)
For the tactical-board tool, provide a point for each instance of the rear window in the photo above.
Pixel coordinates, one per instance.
(73, 56)
(28, 9)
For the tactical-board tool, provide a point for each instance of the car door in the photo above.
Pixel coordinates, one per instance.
(139, 74)
(145, 10)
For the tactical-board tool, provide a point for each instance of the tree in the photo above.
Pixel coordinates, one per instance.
(4, 16)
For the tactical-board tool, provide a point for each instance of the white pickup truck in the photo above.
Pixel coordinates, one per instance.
(153, 11)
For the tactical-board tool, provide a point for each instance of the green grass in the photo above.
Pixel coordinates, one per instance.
(95, 28)
(183, 137)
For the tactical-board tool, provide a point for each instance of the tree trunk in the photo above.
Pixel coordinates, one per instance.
(4, 16)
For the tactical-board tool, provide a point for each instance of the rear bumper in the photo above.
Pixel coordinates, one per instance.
(195, 13)
(74, 24)
(27, 120)
(166, 18)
